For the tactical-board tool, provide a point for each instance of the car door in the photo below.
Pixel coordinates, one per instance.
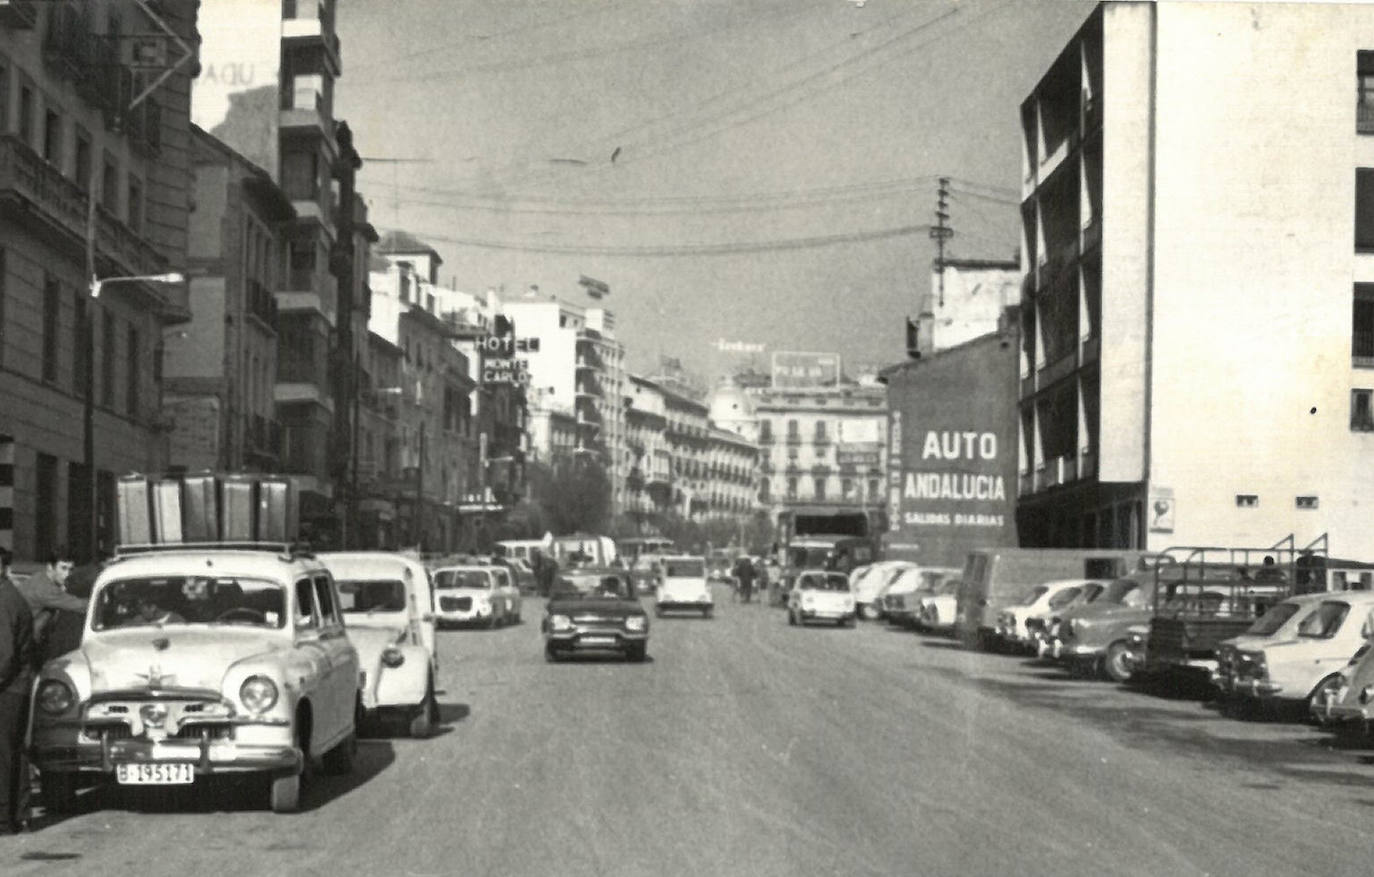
(340, 686)
(420, 598)
(510, 595)
(306, 618)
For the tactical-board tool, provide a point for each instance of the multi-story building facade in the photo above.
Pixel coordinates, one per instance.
(731, 471)
(220, 369)
(1197, 349)
(578, 368)
(821, 446)
(94, 180)
(648, 484)
(281, 118)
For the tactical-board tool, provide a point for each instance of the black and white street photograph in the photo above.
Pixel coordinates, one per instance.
(744, 438)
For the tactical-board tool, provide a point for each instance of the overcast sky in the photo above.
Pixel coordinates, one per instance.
(533, 141)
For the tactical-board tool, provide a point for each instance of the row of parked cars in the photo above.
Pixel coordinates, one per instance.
(1260, 629)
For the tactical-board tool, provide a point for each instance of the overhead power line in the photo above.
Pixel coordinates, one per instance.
(683, 250)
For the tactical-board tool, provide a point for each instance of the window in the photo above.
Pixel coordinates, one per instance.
(325, 595)
(1305, 502)
(52, 307)
(79, 353)
(302, 260)
(765, 430)
(52, 138)
(791, 488)
(1364, 93)
(793, 429)
(847, 488)
(1364, 209)
(45, 505)
(135, 203)
(763, 490)
(404, 280)
(133, 376)
(109, 184)
(82, 166)
(26, 114)
(107, 361)
(1247, 500)
(1361, 410)
(305, 605)
(820, 432)
(819, 489)
(873, 489)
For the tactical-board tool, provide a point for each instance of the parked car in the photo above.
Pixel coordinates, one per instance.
(937, 609)
(1013, 631)
(1096, 638)
(522, 573)
(821, 595)
(199, 663)
(683, 586)
(1038, 628)
(475, 595)
(902, 597)
(868, 583)
(1299, 654)
(387, 602)
(595, 609)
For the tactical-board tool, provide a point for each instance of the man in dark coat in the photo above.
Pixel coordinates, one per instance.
(46, 593)
(744, 572)
(63, 631)
(17, 655)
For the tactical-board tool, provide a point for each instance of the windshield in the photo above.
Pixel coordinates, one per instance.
(190, 600)
(1089, 593)
(1036, 594)
(950, 587)
(462, 578)
(832, 582)
(595, 585)
(684, 569)
(808, 557)
(1326, 621)
(1123, 591)
(383, 595)
(1271, 621)
(1065, 597)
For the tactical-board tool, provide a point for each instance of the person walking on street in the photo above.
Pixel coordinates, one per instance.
(744, 573)
(761, 582)
(17, 653)
(46, 593)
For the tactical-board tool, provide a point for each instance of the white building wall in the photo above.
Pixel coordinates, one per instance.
(1254, 204)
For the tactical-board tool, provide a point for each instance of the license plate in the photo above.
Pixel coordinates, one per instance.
(154, 774)
(597, 640)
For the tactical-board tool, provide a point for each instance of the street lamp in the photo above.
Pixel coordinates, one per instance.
(88, 406)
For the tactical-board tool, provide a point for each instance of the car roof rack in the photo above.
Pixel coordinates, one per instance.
(283, 549)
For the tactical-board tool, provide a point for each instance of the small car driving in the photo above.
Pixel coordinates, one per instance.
(821, 595)
(195, 663)
(683, 587)
(595, 609)
(475, 594)
(387, 604)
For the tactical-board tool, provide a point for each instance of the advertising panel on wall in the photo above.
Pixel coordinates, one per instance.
(238, 95)
(794, 370)
(952, 455)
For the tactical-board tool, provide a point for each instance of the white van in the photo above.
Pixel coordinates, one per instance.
(683, 586)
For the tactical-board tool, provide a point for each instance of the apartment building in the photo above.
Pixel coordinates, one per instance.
(94, 179)
(220, 368)
(649, 482)
(1198, 236)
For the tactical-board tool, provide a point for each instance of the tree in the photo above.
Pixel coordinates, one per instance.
(574, 495)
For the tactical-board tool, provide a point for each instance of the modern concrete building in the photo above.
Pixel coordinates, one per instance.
(93, 180)
(1198, 224)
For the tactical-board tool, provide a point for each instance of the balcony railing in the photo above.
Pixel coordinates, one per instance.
(766, 438)
(794, 439)
(59, 202)
(1057, 370)
(1364, 118)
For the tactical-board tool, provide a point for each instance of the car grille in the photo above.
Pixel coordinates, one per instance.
(109, 730)
(455, 604)
(598, 620)
(213, 730)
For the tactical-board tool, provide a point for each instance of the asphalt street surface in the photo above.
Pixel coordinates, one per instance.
(748, 747)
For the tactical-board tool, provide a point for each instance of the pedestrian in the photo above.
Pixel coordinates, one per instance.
(63, 631)
(744, 574)
(761, 577)
(46, 594)
(16, 677)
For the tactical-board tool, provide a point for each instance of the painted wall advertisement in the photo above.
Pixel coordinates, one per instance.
(952, 455)
(793, 370)
(238, 93)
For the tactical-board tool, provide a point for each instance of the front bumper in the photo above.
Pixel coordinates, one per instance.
(1259, 689)
(208, 757)
(474, 615)
(825, 614)
(693, 605)
(595, 640)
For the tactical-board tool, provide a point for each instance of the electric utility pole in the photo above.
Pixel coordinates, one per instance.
(940, 232)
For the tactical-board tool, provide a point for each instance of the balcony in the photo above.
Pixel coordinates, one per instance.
(766, 439)
(1054, 472)
(51, 203)
(19, 14)
(794, 439)
(1058, 260)
(304, 107)
(261, 303)
(1055, 371)
(309, 24)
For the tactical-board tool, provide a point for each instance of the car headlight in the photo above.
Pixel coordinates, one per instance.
(636, 623)
(1366, 694)
(392, 657)
(54, 697)
(560, 622)
(258, 693)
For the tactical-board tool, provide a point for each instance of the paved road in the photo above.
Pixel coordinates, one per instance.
(747, 747)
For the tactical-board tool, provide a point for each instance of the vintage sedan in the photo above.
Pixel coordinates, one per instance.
(475, 594)
(388, 605)
(200, 663)
(595, 609)
(869, 582)
(1313, 637)
(1014, 630)
(821, 595)
(1096, 638)
(902, 597)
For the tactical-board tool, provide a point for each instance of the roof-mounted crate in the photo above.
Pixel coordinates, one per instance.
(206, 509)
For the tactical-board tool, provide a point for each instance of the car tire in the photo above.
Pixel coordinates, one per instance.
(706, 613)
(551, 654)
(636, 652)
(284, 794)
(1116, 662)
(1317, 699)
(422, 723)
(339, 760)
(58, 791)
